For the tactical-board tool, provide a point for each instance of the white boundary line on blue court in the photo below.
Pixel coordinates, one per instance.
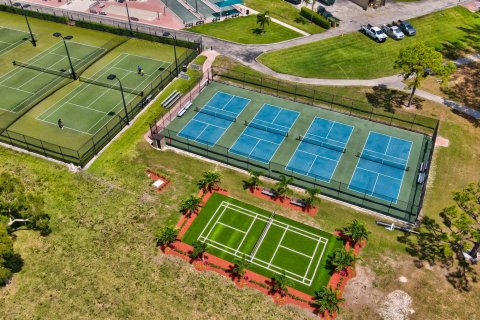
(317, 156)
(260, 263)
(378, 173)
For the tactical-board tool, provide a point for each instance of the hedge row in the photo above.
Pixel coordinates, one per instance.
(315, 17)
(135, 34)
(33, 14)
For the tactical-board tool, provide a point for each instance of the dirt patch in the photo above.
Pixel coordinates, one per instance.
(360, 291)
(396, 306)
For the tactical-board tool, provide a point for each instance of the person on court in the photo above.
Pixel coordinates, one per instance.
(139, 69)
(60, 123)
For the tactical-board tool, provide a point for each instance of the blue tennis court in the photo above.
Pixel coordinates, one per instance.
(211, 121)
(264, 134)
(381, 167)
(320, 150)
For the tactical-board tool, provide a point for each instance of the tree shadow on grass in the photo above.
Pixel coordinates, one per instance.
(257, 31)
(14, 263)
(388, 99)
(427, 247)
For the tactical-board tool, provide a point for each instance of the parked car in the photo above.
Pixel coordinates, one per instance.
(406, 27)
(375, 33)
(327, 2)
(393, 31)
(294, 1)
(323, 12)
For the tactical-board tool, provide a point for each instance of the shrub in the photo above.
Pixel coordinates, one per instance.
(34, 14)
(315, 17)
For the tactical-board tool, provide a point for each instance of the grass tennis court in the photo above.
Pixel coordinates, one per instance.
(270, 242)
(92, 104)
(10, 38)
(352, 159)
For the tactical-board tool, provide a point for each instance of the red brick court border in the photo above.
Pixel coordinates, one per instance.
(251, 279)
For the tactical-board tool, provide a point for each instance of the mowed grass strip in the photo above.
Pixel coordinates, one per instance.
(231, 228)
(284, 12)
(356, 56)
(246, 30)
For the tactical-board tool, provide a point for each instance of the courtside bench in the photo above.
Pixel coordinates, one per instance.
(269, 192)
(171, 99)
(298, 202)
(184, 109)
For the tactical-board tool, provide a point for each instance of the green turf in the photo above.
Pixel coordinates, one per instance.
(238, 231)
(246, 30)
(355, 56)
(10, 38)
(285, 12)
(409, 192)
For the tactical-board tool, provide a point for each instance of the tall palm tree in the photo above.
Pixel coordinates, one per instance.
(280, 283)
(199, 248)
(311, 197)
(281, 187)
(327, 300)
(210, 180)
(342, 259)
(190, 205)
(356, 231)
(262, 19)
(166, 236)
(240, 267)
(254, 180)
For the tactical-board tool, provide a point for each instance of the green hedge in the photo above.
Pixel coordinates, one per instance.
(315, 17)
(135, 34)
(34, 14)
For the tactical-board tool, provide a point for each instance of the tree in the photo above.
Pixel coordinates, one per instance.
(6, 253)
(262, 19)
(418, 61)
(311, 197)
(166, 236)
(190, 205)
(280, 283)
(199, 248)
(342, 259)
(240, 267)
(281, 187)
(356, 231)
(254, 180)
(210, 180)
(327, 300)
(19, 208)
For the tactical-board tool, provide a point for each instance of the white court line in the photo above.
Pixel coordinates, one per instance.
(229, 226)
(318, 263)
(16, 89)
(311, 260)
(246, 233)
(219, 217)
(278, 246)
(297, 252)
(214, 214)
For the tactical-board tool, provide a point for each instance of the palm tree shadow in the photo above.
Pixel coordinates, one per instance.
(257, 31)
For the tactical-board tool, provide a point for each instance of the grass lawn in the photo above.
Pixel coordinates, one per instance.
(285, 12)
(246, 30)
(355, 56)
(100, 261)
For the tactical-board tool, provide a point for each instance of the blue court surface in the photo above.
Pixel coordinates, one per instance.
(381, 167)
(320, 150)
(264, 134)
(211, 122)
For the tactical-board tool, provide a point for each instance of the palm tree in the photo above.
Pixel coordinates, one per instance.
(240, 267)
(199, 248)
(280, 283)
(327, 300)
(342, 259)
(311, 197)
(356, 231)
(262, 19)
(209, 181)
(281, 187)
(166, 236)
(254, 180)
(190, 205)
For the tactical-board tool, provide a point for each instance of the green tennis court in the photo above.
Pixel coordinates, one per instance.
(271, 243)
(10, 38)
(91, 105)
(21, 86)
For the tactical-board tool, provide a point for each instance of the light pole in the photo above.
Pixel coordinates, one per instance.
(174, 37)
(128, 17)
(113, 77)
(23, 7)
(59, 35)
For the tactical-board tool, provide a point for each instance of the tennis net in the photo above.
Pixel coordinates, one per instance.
(61, 73)
(268, 129)
(384, 159)
(217, 114)
(111, 86)
(323, 143)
